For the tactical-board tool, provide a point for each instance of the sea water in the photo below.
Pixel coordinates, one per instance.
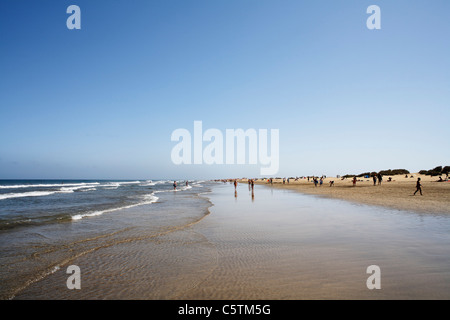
(47, 224)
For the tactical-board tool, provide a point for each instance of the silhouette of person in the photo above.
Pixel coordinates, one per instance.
(418, 187)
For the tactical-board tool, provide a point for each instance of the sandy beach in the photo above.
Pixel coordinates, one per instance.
(272, 243)
(397, 194)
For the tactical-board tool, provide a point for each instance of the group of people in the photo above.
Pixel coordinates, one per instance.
(378, 177)
(318, 181)
(377, 180)
(175, 184)
(251, 186)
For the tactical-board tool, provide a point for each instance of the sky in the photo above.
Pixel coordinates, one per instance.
(102, 102)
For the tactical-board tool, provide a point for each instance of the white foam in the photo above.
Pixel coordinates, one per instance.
(128, 182)
(48, 185)
(72, 189)
(46, 193)
(26, 194)
(147, 199)
(111, 185)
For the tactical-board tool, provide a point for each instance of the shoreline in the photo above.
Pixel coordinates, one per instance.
(267, 244)
(289, 246)
(397, 194)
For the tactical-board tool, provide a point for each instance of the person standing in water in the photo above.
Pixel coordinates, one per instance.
(174, 185)
(418, 187)
(235, 184)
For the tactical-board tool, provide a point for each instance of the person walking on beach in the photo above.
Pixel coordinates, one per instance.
(354, 181)
(235, 184)
(321, 181)
(418, 187)
(380, 178)
(315, 181)
(374, 180)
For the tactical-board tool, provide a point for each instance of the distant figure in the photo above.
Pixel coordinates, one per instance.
(374, 180)
(354, 181)
(440, 179)
(331, 183)
(187, 183)
(315, 181)
(321, 181)
(284, 180)
(288, 180)
(418, 187)
(174, 185)
(253, 183)
(235, 184)
(380, 178)
(308, 178)
(390, 179)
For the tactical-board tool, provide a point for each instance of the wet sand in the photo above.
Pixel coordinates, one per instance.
(397, 194)
(284, 245)
(276, 244)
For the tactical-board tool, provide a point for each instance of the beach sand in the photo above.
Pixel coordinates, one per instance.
(279, 244)
(270, 244)
(397, 194)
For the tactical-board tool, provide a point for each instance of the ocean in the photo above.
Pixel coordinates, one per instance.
(46, 224)
(208, 240)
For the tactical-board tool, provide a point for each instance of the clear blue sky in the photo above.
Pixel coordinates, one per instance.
(102, 102)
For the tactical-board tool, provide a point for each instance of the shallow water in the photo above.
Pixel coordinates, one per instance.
(278, 244)
(34, 255)
(281, 244)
